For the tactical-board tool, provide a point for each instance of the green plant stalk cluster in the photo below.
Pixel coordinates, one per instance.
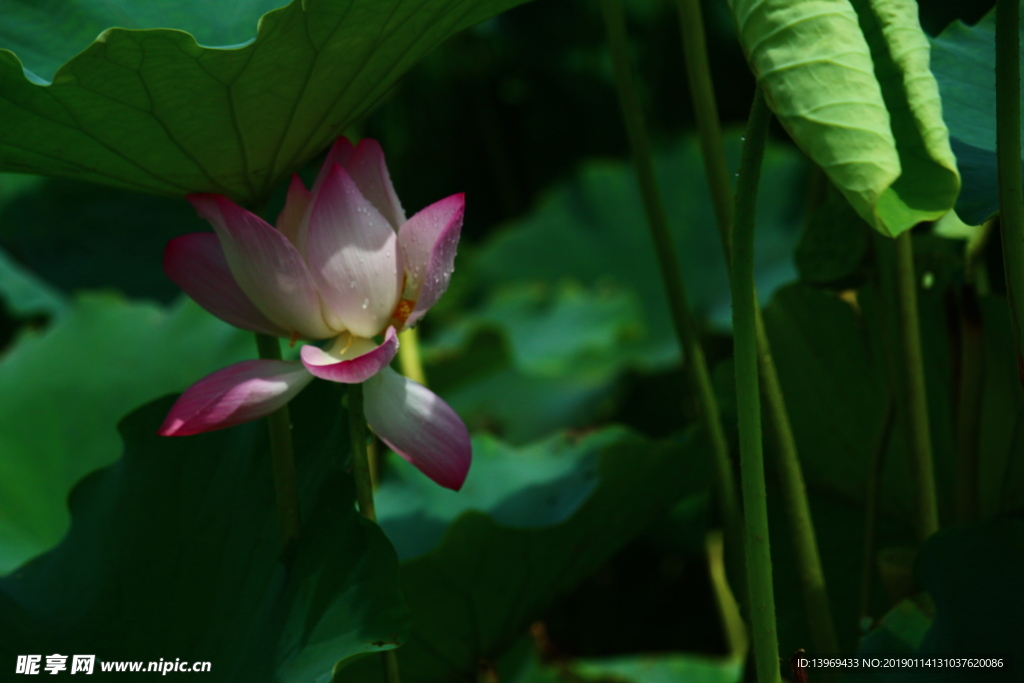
(282, 452)
(1011, 201)
(682, 316)
(364, 490)
(794, 490)
(748, 399)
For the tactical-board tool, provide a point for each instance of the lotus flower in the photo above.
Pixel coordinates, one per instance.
(344, 266)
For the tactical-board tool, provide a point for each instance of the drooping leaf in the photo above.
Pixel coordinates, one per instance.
(152, 110)
(851, 84)
(477, 570)
(964, 62)
(66, 387)
(175, 552)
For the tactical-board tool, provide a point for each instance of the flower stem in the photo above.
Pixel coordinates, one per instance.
(794, 491)
(282, 452)
(672, 280)
(364, 490)
(1011, 202)
(409, 356)
(916, 394)
(748, 399)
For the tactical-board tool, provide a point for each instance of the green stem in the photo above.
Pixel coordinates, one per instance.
(1011, 202)
(409, 356)
(672, 279)
(748, 399)
(282, 452)
(871, 496)
(968, 406)
(912, 360)
(364, 490)
(794, 491)
(795, 502)
(702, 92)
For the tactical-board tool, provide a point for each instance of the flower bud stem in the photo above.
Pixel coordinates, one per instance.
(364, 490)
(282, 453)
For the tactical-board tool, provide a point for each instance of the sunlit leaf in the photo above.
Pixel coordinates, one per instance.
(67, 386)
(153, 110)
(851, 84)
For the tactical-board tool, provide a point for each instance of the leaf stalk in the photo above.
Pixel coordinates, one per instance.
(916, 393)
(748, 399)
(791, 479)
(672, 279)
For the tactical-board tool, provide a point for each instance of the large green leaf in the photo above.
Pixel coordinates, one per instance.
(154, 111)
(559, 333)
(964, 61)
(480, 566)
(851, 84)
(66, 387)
(175, 552)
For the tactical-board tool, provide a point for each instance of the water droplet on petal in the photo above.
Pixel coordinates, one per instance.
(366, 302)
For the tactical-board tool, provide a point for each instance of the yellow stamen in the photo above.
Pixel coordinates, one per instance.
(348, 344)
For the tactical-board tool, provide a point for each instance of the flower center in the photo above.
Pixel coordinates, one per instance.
(401, 313)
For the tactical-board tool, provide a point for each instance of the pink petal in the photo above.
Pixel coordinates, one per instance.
(338, 155)
(419, 426)
(370, 172)
(352, 252)
(358, 362)
(196, 263)
(267, 267)
(290, 221)
(238, 393)
(429, 241)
